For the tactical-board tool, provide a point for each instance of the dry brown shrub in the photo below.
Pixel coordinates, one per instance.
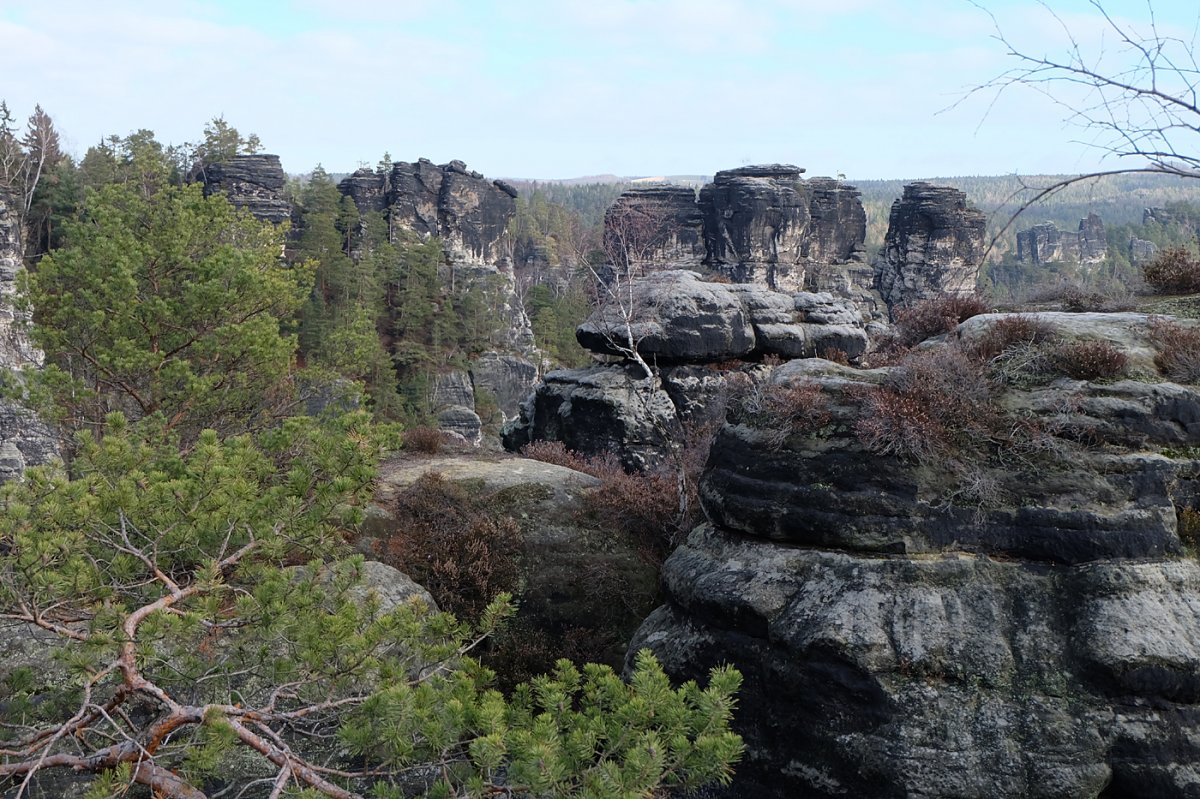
(1178, 348)
(1189, 528)
(936, 406)
(1073, 296)
(451, 541)
(555, 452)
(1175, 270)
(835, 354)
(934, 316)
(1010, 331)
(1089, 360)
(425, 440)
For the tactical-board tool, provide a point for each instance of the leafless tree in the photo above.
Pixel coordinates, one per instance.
(1137, 94)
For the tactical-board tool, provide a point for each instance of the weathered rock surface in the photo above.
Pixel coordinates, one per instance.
(898, 639)
(1141, 251)
(508, 378)
(1093, 241)
(253, 182)
(572, 577)
(675, 317)
(934, 245)
(24, 439)
(766, 225)
(1046, 244)
(656, 227)
(599, 409)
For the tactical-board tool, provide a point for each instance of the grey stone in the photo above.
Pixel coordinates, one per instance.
(253, 182)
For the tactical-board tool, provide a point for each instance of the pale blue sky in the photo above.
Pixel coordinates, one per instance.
(560, 88)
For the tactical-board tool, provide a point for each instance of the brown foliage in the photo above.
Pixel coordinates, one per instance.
(425, 440)
(1175, 270)
(452, 542)
(1089, 360)
(1178, 350)
(934, 316)
(1010, 331)
(936, 406)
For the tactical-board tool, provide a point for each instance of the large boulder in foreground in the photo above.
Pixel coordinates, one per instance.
(1020, 620)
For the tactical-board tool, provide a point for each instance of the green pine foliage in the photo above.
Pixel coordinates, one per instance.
(188, 556)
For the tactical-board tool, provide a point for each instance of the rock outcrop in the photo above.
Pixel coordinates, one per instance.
(700, 335)
(1025, 627)
(766, 225)
(1046, 244)
(469, 214)
(573, 578)
(1141, 251)
(934, 245)
(253, 182)
(24, 439)
(676, 317)
(656, 227)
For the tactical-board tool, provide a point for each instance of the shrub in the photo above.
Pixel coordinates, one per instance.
(934, 316)
(1072, 296)
(1089, 360)
(425, 440)
(1010, 331)
(452, 542)
(936, 406)
(779, 410)
(1178, 348)
(1175, 270)
(1189, 527)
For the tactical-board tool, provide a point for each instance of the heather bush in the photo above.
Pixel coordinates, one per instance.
(453, 542)
(1075, 297)
(1178, 349)
(425, 440)
(1175, 270)
(937, 405)
(934, 316)
(778, 411)
(1011, 331)
(1089, 360)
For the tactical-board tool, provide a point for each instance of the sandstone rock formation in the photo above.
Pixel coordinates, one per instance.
(24, 439)
(469, 215)
(934, 245)
(902, 636)
(253, 182)
(1046, 244)
(572, 578)
(654, 228)
(766, 225)
(1141, 251)
(694, 331)
(675, 317)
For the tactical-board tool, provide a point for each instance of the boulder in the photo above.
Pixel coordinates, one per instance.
(934, 245)
(1023, 625)
(598, 410)
(253, 182)
(572, 577)
(676, 317)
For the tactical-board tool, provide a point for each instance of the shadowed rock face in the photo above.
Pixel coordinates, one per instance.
(898, 640)
(934, 245)
(1046, 244)
(764, 224)
(253, 182)
(650, 228)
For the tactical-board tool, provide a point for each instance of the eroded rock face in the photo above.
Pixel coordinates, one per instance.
(600, 409)
(934, 245)
(656, 227)
(253, 182)
(898, 639)
(1141, 251)
(765, 225)
(1046, 244)
(676, 317)
(24, 439)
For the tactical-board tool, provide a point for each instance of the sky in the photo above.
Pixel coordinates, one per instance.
(566, 88)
